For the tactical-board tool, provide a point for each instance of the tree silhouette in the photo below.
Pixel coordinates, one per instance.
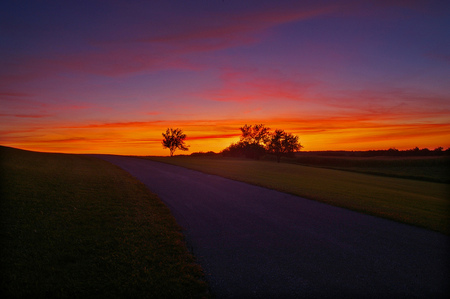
(256, 134)
(283, 144)
(256, 140)
(173, 140)
(253, 140)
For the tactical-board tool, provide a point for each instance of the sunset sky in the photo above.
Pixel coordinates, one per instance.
(111, 76)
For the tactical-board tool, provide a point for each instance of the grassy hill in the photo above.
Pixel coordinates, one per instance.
(74, 226)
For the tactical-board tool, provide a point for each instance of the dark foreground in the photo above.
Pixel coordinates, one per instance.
(255, 242)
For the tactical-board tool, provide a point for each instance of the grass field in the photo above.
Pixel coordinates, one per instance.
(433, 169)
(420, 203)
(75, 226)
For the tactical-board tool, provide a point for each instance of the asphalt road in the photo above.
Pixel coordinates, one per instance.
(254, 242)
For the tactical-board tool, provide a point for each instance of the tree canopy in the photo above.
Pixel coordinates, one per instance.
(256, 134)
(283, 144)
(257, 140)
(173, 140)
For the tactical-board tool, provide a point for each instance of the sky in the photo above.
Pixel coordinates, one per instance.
(112, 76)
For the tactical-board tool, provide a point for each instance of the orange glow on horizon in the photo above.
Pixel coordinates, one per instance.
(144, 138)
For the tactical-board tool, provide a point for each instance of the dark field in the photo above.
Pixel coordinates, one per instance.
(389, 194)
(433, 169)
(74, 226)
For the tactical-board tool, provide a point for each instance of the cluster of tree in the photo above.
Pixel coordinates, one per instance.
(257, 140)
(392, 152)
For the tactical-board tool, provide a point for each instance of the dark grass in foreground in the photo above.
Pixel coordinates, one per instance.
(74, 226)
(420, 203)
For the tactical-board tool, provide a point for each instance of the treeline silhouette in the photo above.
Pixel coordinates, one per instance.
(238, 150)
(392, 152)
(256, 141)
(415, 152)
(204, 154)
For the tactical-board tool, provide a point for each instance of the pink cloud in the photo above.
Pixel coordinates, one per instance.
(441, 57)
(25, 115)
(153, 113)
(389, 103)
(113, 125)
(235, 27)
(14, 94)
(249, 85)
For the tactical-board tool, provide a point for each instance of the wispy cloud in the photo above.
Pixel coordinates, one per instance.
(229, 27)
(147, 49)
(131, 124)
(14, 94)
(243, 85)
(399, 136)
(25, 115)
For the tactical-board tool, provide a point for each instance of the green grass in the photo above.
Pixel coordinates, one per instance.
(74, 226)
(420, 203)
(433, 169)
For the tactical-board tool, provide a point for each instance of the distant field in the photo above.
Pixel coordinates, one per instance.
(75, 226)
(433, 169)
(416, 202)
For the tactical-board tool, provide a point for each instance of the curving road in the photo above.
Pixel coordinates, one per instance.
(254, 242)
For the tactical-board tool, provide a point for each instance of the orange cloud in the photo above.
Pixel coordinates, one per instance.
(216, 136)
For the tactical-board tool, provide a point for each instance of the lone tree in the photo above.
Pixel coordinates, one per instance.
(283, 144)
(173, 140)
